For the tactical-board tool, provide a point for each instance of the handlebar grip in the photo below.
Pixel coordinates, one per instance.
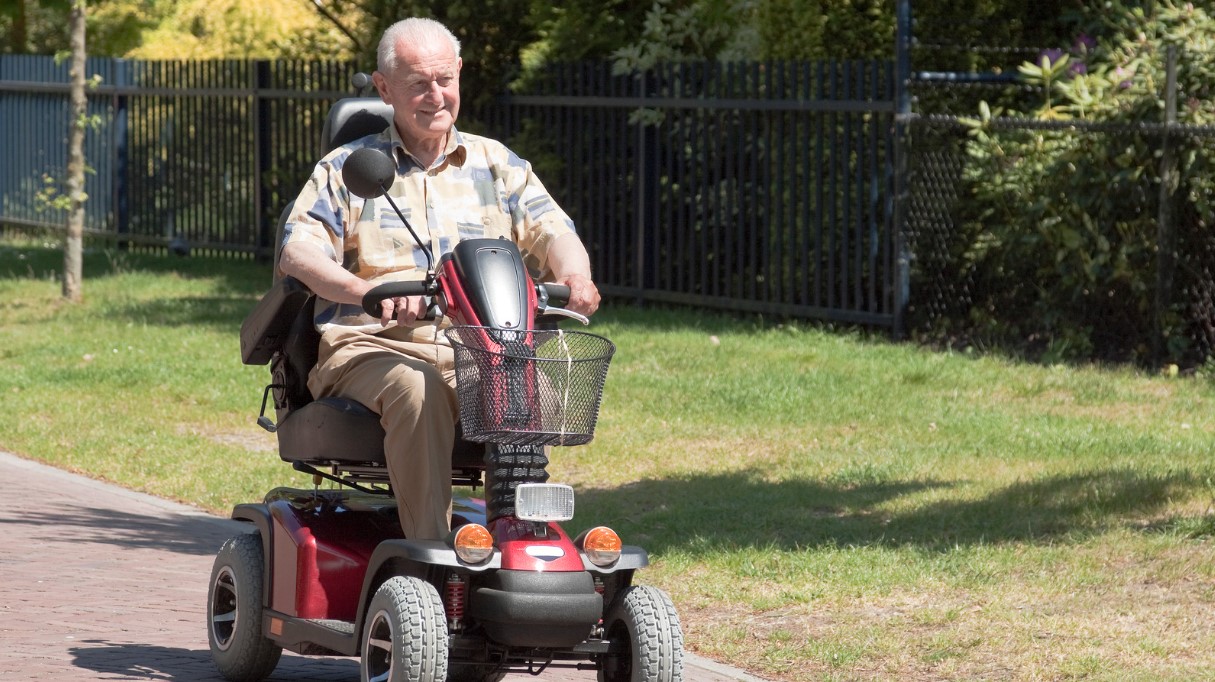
(371, 300)
(558, 294)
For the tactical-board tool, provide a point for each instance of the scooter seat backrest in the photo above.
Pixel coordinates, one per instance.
(352, 118)
(299, 352)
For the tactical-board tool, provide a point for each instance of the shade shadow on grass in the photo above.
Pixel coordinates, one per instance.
(235, 275)
(728, 511)
(210, 311)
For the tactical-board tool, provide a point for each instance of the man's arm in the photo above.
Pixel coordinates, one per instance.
(571, 266)
(307, 263)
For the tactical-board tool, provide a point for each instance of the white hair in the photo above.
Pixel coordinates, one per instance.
(415, 30)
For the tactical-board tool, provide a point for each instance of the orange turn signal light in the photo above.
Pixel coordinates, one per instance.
(473, 543)
(601, 546)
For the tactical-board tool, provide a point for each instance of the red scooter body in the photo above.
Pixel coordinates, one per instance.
(324, 541)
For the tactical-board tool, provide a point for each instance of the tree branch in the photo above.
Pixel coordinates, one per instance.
(358, 45)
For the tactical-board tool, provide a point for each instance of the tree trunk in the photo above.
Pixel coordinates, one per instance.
(77, 122)
(19, 43)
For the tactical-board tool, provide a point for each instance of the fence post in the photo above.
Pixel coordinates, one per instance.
(119, 145)
(7, 113)
(902, 122)
(1166, 232)
(643, 200)
(261, 158)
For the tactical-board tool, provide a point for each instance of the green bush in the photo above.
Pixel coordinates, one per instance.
(1062, 220)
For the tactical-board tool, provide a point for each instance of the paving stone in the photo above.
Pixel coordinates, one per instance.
(101, 583)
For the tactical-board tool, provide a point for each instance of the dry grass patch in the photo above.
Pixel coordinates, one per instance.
(1085, 613)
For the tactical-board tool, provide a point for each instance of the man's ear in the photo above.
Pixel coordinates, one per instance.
(381, 85)
(459, 65)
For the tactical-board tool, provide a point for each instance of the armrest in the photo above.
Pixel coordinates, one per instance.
(267, 326)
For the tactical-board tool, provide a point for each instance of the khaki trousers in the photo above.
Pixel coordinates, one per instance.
(410, 384)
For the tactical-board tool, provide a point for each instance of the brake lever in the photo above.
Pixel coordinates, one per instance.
(565, 312)
(544, 292)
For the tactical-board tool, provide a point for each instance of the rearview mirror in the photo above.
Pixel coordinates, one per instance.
(368, 173)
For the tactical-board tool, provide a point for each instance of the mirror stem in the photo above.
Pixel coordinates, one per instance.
(430, 260)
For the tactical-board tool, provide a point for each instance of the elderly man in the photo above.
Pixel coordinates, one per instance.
(450, 186)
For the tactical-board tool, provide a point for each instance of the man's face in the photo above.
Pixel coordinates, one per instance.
(424, 91)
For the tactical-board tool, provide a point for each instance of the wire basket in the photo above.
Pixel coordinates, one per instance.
(533, 387)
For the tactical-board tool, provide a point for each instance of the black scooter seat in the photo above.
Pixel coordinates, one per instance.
(332, 429)
(344, 431)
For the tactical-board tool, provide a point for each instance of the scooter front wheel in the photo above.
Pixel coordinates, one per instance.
(405, 638)
(234, 612)
(645, 641)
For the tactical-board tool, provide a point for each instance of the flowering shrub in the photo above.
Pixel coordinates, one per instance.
(1063, 223)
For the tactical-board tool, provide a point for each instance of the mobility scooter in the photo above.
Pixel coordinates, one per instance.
(327, 571)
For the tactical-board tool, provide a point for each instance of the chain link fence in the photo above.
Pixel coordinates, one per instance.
(1104, 251)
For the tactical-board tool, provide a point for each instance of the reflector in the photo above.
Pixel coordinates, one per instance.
(601, 545)
(473, 543)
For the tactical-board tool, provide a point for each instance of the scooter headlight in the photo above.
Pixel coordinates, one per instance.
(601, 546)
(473, 543)
(544, 502)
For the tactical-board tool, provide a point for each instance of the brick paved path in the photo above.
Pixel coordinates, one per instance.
(100, 583)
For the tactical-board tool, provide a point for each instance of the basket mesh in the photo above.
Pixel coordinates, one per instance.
(535, 387)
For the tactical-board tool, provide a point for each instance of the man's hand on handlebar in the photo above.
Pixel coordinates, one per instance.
(584, 295)
(404, 309)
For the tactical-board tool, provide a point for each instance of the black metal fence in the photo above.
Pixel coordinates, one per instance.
(761, 187)
(778, 187)
(205, 152)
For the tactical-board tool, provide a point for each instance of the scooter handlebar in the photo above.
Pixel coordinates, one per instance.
(372, 299)
(558, 294)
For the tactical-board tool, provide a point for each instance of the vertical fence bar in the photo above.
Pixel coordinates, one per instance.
(779, 228)
(844, 167)
(820, 196)
(805, 240)
(733, 169)
(872, 207)
(119, 146)
(750, 133)
(262, 148)
(902, 122)
(1166, 231)
(858, 192)
(640, 189)
(833, 193)
(715, 224)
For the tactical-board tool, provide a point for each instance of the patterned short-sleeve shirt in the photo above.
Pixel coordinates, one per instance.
(476, 188)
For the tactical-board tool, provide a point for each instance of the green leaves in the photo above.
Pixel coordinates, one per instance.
(1075, 211)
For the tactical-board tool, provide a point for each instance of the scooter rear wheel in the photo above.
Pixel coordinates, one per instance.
(234, 612)
(645, 639)
(405, 637)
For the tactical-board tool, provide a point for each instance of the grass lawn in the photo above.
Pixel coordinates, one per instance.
(819, 505)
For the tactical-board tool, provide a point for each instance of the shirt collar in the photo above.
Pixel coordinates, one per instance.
(454, 154)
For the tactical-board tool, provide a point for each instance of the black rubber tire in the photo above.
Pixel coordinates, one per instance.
(645, 639)
(234, 612)
(405, 636)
